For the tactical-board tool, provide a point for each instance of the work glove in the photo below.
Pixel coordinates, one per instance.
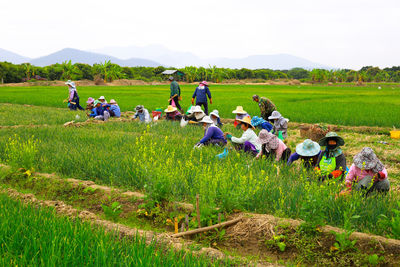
(192, 101)
(280, 136)
(210, 100)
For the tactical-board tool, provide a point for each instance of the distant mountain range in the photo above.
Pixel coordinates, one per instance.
(169, 57)
(156, 55)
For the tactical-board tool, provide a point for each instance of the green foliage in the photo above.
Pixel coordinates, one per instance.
(36, 236)
(343, 242)
(277, 241)
(21, 153)
(112, 211)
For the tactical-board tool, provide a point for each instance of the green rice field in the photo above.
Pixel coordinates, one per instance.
(342, 105)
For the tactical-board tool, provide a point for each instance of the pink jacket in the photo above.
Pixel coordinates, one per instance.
(280, 150)
(355, 174)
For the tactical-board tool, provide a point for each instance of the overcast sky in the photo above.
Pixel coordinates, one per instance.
(339, 33)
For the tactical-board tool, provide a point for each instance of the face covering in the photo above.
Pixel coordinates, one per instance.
(201, 87)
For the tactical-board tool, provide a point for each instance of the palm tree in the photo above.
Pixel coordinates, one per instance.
(69, 70)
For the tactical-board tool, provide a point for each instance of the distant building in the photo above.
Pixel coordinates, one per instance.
(178, 75)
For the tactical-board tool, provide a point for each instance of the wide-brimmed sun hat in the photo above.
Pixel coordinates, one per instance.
(90, 100)
(139, 107)
(96, 102)
(197, 109)
(171, 78)
(255, 97)
(255, 121)
(206, 119)
(275, 115)
(102, 98)
(367, 160)
(246, 120)
(331, 135)
(69, 82)
(204, 83)
(112, 101)
(308, 148)
(215, 113)
(269, 139)
(239, 110)
(170, 109)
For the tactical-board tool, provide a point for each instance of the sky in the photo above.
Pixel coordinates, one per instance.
(340, 33)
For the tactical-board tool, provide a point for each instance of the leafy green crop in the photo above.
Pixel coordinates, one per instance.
(35, 236)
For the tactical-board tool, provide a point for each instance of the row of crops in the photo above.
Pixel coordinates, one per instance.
(159, 159)
(36, 236)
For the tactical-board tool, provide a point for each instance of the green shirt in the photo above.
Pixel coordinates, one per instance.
(266, 107)
(175, 89)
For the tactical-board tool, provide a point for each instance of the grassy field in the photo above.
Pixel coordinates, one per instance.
(159, 160)
(36, 236)
(147, 158)
(342, 105)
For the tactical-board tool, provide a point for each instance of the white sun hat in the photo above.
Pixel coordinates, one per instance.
(215, 113)
(207, 119)
(197, 109)
(102, 98)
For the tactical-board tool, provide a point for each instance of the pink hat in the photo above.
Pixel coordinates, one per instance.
(204, 83)
(90, 100)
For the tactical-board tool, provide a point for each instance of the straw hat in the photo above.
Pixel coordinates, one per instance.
(113, 102)
(247, 120)
(275, 115)
(367, 160)
(331, 135)
(90, 100)
(266, 138)
(215, 113)
(239, 110)
(102, 98)
(170, 109)
(207, 119)
(308, 148)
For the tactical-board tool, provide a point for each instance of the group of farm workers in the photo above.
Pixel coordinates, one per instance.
(367, 172)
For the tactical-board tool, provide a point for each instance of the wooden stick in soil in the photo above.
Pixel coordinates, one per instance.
(198, 211)
(208, 228)
(187, 222)
(183, 227)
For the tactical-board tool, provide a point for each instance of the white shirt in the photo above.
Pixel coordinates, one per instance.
(248, 135)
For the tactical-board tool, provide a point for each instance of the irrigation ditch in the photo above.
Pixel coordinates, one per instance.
(243, 238)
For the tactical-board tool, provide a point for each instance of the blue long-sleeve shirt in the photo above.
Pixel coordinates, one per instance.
(213, 132)
(201, 94)
(97, 111)
(116, 110)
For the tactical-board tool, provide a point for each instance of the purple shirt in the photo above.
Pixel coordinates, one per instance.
(213, 132)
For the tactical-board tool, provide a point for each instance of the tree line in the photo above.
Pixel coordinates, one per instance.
(108, 71)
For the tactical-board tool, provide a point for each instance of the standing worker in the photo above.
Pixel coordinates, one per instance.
(201, 93)
(175, 93)
(73, 98)
(266, 106)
